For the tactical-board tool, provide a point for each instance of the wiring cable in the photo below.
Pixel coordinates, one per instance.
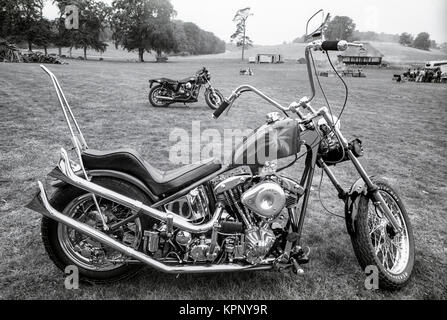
(321, 201)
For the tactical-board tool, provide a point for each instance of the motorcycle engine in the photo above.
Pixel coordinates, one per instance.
(266, 199)
(258, 202)
(258, 243)
(252, 221)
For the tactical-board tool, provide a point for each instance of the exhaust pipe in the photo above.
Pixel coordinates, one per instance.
(70, 177)
(41, 204)
(164, 98)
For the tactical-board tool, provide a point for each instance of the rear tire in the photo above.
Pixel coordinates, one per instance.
(50, 229)
(378, 246)
(213, 101)
(156, 90)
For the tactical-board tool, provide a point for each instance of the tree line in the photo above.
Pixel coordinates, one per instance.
(135, 25)
(422, 41)
(344, 28)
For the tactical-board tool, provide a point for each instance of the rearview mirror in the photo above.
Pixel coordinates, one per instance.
(316, 24)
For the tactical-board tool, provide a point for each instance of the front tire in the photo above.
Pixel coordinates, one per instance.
(213, 100)
(376, 244)
(63, 253)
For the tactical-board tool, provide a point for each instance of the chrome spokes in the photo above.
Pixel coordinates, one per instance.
(91, 254)
(391, 249)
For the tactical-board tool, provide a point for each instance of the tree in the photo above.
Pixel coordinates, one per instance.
(92, 21)
(406, 39)
(443, 46)
(41, 34)
(340, 28)
(137, 25)
(433, 44)
(193, 40)
(62, 36)
(422, 41)
(162, 39)
(22, 20)
(93, 18)
(240, 36)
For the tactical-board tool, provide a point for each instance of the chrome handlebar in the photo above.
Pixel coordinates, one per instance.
(317, 45)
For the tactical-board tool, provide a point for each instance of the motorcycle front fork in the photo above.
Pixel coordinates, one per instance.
(372, 189)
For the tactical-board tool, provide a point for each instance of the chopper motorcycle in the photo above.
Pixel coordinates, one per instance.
(112, 212)
(166, 91)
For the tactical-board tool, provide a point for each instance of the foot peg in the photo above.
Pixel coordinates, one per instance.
(300, 255)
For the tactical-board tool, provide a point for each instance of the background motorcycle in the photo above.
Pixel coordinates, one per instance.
(167, 91)
(112, 211)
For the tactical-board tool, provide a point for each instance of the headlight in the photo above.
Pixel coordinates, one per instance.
(322, 121)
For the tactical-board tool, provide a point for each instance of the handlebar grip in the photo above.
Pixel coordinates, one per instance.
(220, 109)
(330, 45)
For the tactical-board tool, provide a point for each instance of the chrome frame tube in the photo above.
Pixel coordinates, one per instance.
(178, 221)
(65, 108)
(309, 72)
(78, 145)
(107, 240)
(246, 87)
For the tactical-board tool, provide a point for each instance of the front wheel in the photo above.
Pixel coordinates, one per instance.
(376, 244)
(213, 100)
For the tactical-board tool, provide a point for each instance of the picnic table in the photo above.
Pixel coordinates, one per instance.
(352, 73)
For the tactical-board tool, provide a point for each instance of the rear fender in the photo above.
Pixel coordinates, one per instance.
(152, 81)
(165, 84)
(62, 181)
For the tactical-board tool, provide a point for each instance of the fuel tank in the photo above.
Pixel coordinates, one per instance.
(271, 141)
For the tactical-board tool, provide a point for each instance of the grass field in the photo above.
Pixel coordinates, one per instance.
(402, 127)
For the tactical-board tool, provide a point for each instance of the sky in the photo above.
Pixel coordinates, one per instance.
(276, 21)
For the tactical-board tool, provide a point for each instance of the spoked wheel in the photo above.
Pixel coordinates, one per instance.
(91, 254)
(213, 100)
(96, 262)
(376, 243)
(159, 91)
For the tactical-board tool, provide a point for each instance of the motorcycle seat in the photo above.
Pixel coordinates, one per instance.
(167, 80)
(159, 182)
(172, 81)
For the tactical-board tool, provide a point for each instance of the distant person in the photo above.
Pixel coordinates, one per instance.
(399, 79)
(429, 76)
(421, 76)
(438, 75)
(407, 74)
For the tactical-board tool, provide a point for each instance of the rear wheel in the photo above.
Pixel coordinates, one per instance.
(375, 242)
(213, 100)
(95, 261)
(158, 91)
